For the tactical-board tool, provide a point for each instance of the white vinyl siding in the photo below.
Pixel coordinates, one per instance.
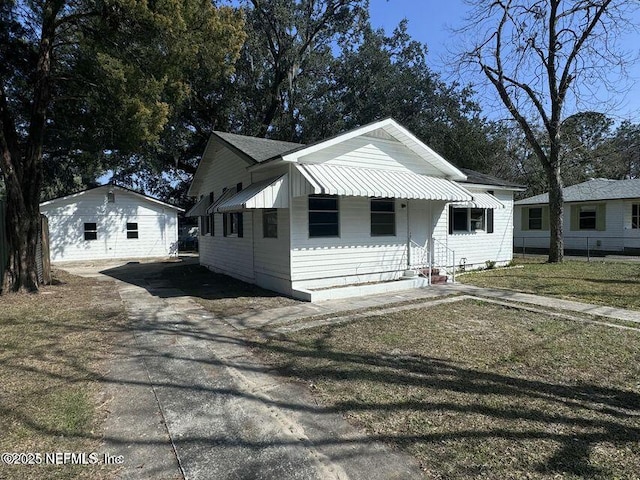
(474, 248)
(230, 255)
(368, 152)
(157, 227)
(325, 261)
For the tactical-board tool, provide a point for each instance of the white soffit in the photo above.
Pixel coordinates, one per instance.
(200, 208)
(368, 182)
(270, 193)
(482, 200)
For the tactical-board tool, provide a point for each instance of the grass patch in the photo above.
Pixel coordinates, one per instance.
(603, 283)
(479, 390)
(222, 295)
(52, 351)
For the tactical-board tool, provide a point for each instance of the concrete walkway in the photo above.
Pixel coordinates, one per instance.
(281, 319)
(192, 401)
(227, 415)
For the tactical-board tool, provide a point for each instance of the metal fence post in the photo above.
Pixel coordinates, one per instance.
(588, 253)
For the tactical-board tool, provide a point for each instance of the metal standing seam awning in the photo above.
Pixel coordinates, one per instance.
(200, 208)
(368, 182)
(481, 200)
(269, 193)
(226, 195)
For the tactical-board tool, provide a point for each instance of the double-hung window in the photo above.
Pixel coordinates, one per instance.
(383, 217)
(90, 231)
(635, 215)
(535, 218)
(470, 220)
(324, 216)
(587, 217)
(132, 230)
(270, 223)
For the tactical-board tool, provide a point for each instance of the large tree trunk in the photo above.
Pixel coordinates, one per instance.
(22, 222)
(556, 207)
(22, 167)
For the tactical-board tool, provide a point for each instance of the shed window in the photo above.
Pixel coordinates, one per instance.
(535, 218)
(90, 231)
(635, 215)
(324, 216)
(111, 197)
(132, 230)
(270, 223)
(383, 217)
(587, 217)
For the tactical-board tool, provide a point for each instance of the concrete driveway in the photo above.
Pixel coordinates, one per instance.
(191, 401)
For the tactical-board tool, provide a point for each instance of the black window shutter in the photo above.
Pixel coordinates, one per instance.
(450, 220)
(240, 223)
(489, 220)
(224, 224)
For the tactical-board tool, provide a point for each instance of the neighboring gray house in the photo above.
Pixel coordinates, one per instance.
(599, 216)
(372, 205)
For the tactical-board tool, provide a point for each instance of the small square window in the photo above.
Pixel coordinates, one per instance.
(90, 231)
(132, 230)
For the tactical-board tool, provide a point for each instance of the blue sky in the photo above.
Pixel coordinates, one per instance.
(430, 22)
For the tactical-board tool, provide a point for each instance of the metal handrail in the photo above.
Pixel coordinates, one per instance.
(426, 252)
(436, 242)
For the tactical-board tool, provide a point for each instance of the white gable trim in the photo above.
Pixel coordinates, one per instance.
(398, 132)
(114, 187)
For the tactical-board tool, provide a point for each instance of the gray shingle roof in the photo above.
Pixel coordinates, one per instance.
(262, 149)
(258, 149)
(485, 179)
(598, 189)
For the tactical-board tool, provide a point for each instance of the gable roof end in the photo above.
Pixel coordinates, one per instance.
(397, 131)
(115, 187)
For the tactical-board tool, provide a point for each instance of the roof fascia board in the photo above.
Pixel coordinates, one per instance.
(274, 162)
(116, 187)
(489, 186)
(195, 180)
(294, 156)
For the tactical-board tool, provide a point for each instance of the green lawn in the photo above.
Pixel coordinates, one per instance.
(480, 390)
(53, 348)
(603, 283)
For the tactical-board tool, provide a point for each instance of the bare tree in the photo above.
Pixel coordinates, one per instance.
(539, 56)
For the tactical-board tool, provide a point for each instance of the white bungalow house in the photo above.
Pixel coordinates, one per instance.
(110, 222)
(371, 205)
(600, 216)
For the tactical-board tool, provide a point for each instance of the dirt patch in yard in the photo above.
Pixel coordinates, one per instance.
(53, 349)
(222, 295)
(479, 390)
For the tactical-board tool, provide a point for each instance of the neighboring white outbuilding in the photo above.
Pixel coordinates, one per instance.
(600, 216)
(371, 205)
(110, 222)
